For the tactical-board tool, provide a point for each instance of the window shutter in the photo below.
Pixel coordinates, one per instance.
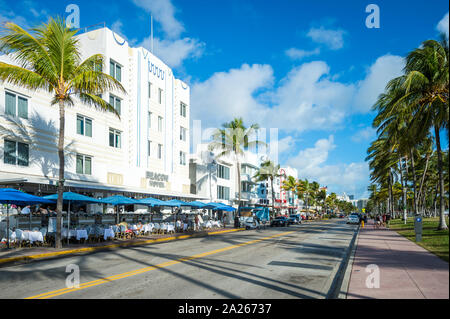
(10, 104)
(22, 108)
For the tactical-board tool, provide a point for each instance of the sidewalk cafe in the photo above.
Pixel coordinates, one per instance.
(28, 220)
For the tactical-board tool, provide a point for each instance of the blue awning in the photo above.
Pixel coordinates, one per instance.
(73, 197)
(120, 200)
(150, 201)
(14, 196)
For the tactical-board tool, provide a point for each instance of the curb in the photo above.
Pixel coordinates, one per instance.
(338, 275)
(61, 254)
(346, 281)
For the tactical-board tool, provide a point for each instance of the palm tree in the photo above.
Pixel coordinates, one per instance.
(232, 139)
(424, 90)
(268, 170)
(49, 59)
(304, 191)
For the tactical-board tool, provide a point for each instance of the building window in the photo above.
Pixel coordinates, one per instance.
(149, 90)
(84, 164)
(16, 105)
(149, 148)
(182, 158)
(159, 151)
(84, 126)
(149, 119)
(16, 153)
(183, 108)
(182, 134)
(115, 70)
(160, 124)
(160, 96)
(223, 172)
(116, 103)
(223, 192)
(115, 138)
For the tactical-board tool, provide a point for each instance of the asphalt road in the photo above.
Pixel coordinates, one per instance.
(284, 262)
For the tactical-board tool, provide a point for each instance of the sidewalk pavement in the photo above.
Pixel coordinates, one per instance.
(407, 271)
(21, 255)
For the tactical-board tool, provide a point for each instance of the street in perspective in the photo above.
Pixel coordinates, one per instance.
(164, 150)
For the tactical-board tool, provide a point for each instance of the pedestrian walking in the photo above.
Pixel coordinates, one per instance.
(196, 223)
(388, 219)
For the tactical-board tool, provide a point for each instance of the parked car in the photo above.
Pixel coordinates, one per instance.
(353, 219)
(279, 221)
(341, 216)
(295, 219)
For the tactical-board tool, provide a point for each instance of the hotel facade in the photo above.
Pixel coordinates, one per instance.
(215, 178)
(142, 153)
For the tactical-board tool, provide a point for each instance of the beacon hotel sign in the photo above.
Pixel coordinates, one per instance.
(156, 179)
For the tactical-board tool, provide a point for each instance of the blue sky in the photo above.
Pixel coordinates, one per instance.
(312, 69)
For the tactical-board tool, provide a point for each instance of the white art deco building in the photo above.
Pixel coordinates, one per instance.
(142, 153)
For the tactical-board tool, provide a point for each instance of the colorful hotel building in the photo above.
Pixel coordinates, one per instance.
(143, 153)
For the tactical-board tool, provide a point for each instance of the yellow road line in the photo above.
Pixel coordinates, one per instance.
(89, 249)
(63, 291)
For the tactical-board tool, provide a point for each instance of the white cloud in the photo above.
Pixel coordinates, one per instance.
(298, 54)
(163, 11)
(334, 39)
(339, 178)
(380, 73)
(229, 94)
(308, 99)
(364, 135)
(172, 49)
(174, 52)
(442, 26)
(7, 15)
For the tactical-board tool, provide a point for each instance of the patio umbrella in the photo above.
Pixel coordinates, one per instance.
(14, 196)
(176, 203)
(220, 206)
(69, 197)
(197, 204)
(150, 201)
(117, 200)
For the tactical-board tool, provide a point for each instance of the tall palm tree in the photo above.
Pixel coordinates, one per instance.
(48, 58)
(233, 139)
(268, 171)
(424, 89)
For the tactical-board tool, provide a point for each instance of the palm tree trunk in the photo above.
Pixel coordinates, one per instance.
(239, 183)
(414, 181)
(442, 224)
(273, 196)
(59, 203)
(420, 196)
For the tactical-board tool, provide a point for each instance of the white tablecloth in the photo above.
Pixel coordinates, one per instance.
(32, 236)
(81, 233)
(170, 228)
(109, 233)
(216, 223)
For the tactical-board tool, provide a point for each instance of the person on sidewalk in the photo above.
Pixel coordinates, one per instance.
(388, 219)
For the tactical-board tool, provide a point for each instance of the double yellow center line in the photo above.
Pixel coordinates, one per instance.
(97, 282)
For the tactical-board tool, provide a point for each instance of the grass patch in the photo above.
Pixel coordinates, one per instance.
(433, 240)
